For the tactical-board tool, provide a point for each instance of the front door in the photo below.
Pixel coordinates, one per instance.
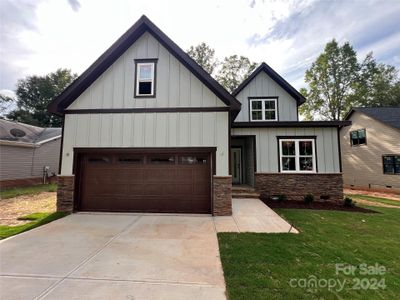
(236, 165)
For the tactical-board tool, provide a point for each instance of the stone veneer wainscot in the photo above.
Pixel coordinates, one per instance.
(296, 186)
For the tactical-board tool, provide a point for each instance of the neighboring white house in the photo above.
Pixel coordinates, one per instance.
(147, 129)
(28, 154)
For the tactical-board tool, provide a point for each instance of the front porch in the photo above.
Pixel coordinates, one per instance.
(243, 160)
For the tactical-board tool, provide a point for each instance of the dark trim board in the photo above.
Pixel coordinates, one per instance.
(146, 110)
(61, 146)
(76, 88)
(339, 150)
(266, 124)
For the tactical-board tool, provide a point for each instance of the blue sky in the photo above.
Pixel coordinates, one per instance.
(40, 36)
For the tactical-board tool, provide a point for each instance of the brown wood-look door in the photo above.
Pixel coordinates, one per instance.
(148, 182)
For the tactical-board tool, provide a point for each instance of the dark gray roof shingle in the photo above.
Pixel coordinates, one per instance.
(33, 134)
(387, 115)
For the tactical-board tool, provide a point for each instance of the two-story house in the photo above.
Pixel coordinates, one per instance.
(146, 129)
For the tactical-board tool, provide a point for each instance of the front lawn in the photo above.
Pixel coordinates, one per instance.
(286, 266)
(37, 219)
(27, 190)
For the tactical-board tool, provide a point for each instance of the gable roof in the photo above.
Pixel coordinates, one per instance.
(276, 77)
(76, 88)
(387, 115)
(31, 135)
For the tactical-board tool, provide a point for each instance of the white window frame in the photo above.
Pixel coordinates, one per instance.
(297, 155)
(263, 100)
(138, 80)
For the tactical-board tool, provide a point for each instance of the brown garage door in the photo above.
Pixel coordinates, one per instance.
(147, 182)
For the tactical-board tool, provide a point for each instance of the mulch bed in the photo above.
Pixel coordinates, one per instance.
(315, 205)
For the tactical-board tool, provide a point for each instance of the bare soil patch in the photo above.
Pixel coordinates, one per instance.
(372, 194)
(14, 208)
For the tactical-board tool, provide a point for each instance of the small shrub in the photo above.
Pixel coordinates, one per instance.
(308, 198)
(348, 202)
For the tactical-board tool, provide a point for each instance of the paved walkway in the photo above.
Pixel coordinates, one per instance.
(126, 256)
(252, 215)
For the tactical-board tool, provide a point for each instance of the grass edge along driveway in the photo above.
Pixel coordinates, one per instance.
(261, 266)
(37, 219)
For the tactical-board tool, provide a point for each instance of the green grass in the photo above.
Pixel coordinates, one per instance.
(28, 190)
(375, 199)
(260, 266)
(38, 219)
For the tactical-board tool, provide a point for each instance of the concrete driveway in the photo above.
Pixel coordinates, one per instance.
(114, 256)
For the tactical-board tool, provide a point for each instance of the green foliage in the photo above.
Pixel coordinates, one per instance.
(260, 266)
(34, 93)
(234, 69)
(5, 103)
(348, 202)
(330, 79)
(378, 84)
(38, 219)
(27, 190)
(308, 198)
(337, 82)
(204, 55)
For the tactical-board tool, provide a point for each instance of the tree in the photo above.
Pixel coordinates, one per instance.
(378, 84)
(34, 93)
(234, 70)
(6, 102)
(331, 80)
(204, 55)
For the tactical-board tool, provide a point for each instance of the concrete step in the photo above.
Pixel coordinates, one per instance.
(246, 195)
(243, 188)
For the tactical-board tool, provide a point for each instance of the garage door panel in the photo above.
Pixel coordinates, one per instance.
(168, 182)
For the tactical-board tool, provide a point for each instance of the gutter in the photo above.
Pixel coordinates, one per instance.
(26, 144)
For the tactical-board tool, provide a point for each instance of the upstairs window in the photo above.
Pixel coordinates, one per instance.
(358, 137)
(391, 164)
(145, 78)
(263, 109)
(297, 155)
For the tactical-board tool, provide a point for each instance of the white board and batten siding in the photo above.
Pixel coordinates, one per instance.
(127, 130)
(264, 86)
(267, 146)
(176, 86)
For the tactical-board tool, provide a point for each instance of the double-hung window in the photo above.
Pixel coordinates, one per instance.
(297, 155)
(391, 164)
(358, 137)
(145, 78)
(263, 109)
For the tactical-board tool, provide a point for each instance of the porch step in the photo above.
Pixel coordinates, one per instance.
(244, 191)
(246, 195)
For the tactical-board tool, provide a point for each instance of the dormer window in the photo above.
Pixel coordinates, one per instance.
(145, 78)
(263, 109)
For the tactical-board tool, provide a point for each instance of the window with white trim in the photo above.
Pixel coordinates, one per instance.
(145, 79)
(297, 155)
(263, 109)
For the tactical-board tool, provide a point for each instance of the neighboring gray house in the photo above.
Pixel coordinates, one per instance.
(25, 152)
(371, 149)
(146, 129)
